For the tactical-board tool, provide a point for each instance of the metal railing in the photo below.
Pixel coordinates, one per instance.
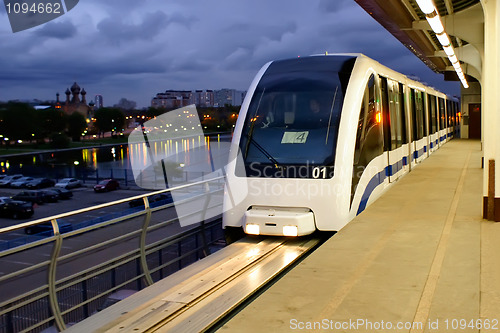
(75, 271)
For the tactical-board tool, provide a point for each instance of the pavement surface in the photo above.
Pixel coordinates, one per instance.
(419, 259)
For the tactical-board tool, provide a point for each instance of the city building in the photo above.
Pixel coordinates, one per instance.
(228, 96)
(98, 102)
(204, 98)
(172, 99)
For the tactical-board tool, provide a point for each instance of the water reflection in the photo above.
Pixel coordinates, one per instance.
(87, 162)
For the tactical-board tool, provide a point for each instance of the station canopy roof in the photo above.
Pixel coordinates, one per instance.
(463, 22)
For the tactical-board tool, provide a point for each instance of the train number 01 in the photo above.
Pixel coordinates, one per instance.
(319, 172)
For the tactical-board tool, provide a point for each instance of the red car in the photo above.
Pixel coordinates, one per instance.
(107, 185)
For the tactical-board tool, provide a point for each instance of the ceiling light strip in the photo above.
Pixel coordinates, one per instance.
(432, 16)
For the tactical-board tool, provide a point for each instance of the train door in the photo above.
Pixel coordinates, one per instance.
(413, 136)
(409, 125)
(419, 127)
(369, 134)
(403, 138)
(433, 132)
(393, 107)
(425, 117)
(442, 118)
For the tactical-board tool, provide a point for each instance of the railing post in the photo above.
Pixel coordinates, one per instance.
(142, 243)
(54, 305)
(206, 251)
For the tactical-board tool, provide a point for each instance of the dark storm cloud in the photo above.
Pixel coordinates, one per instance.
(59, 30)
(135, 49)
(119, 30)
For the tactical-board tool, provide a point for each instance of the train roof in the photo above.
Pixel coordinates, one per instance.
(344, 62)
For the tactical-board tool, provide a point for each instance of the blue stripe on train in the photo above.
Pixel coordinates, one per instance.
(418, 153)
(389, 170)
(378, 179)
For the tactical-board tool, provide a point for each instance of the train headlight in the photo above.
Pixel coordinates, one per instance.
(290, 230)
(252, 229)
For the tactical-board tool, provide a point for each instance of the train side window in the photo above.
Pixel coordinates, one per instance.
(420, 125)
(441, 114)
(395, 115)
(385, 88)
(413, 114)
(369, 139)
(367, 103)
(451, 115)
(402, 116)
(431, 102)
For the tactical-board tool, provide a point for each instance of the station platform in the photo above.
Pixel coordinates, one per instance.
(419, 259)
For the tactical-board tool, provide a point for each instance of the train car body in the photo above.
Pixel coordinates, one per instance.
(320, 138)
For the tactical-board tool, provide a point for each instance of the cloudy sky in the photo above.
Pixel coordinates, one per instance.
(135, 49)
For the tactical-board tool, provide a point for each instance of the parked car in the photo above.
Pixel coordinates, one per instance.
(40, 183)
(15, 209)
(21, 182)
(5, 182)
(46, 227)
(63, 193)
(68, 183)
(107, 185)
(157, 198)
(50, 195)
(33, 196)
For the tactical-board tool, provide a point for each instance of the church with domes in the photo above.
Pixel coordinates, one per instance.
(75, 103)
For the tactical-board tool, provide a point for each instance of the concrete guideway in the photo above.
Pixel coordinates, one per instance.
(420, 253)
(195, 298)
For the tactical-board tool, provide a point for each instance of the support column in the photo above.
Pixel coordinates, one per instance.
(491, 104)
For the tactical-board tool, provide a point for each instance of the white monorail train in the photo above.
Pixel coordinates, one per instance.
(321, 137)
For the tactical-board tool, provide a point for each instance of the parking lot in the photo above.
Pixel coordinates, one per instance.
(82, 197)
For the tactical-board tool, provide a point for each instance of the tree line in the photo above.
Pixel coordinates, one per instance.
(20, 122)
(213, 119)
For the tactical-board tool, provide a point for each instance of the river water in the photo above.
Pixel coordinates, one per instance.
(114, 161)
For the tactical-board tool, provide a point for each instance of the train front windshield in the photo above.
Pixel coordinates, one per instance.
(292, 125)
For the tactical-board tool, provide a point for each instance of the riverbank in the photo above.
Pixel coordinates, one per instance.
(31, 148)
